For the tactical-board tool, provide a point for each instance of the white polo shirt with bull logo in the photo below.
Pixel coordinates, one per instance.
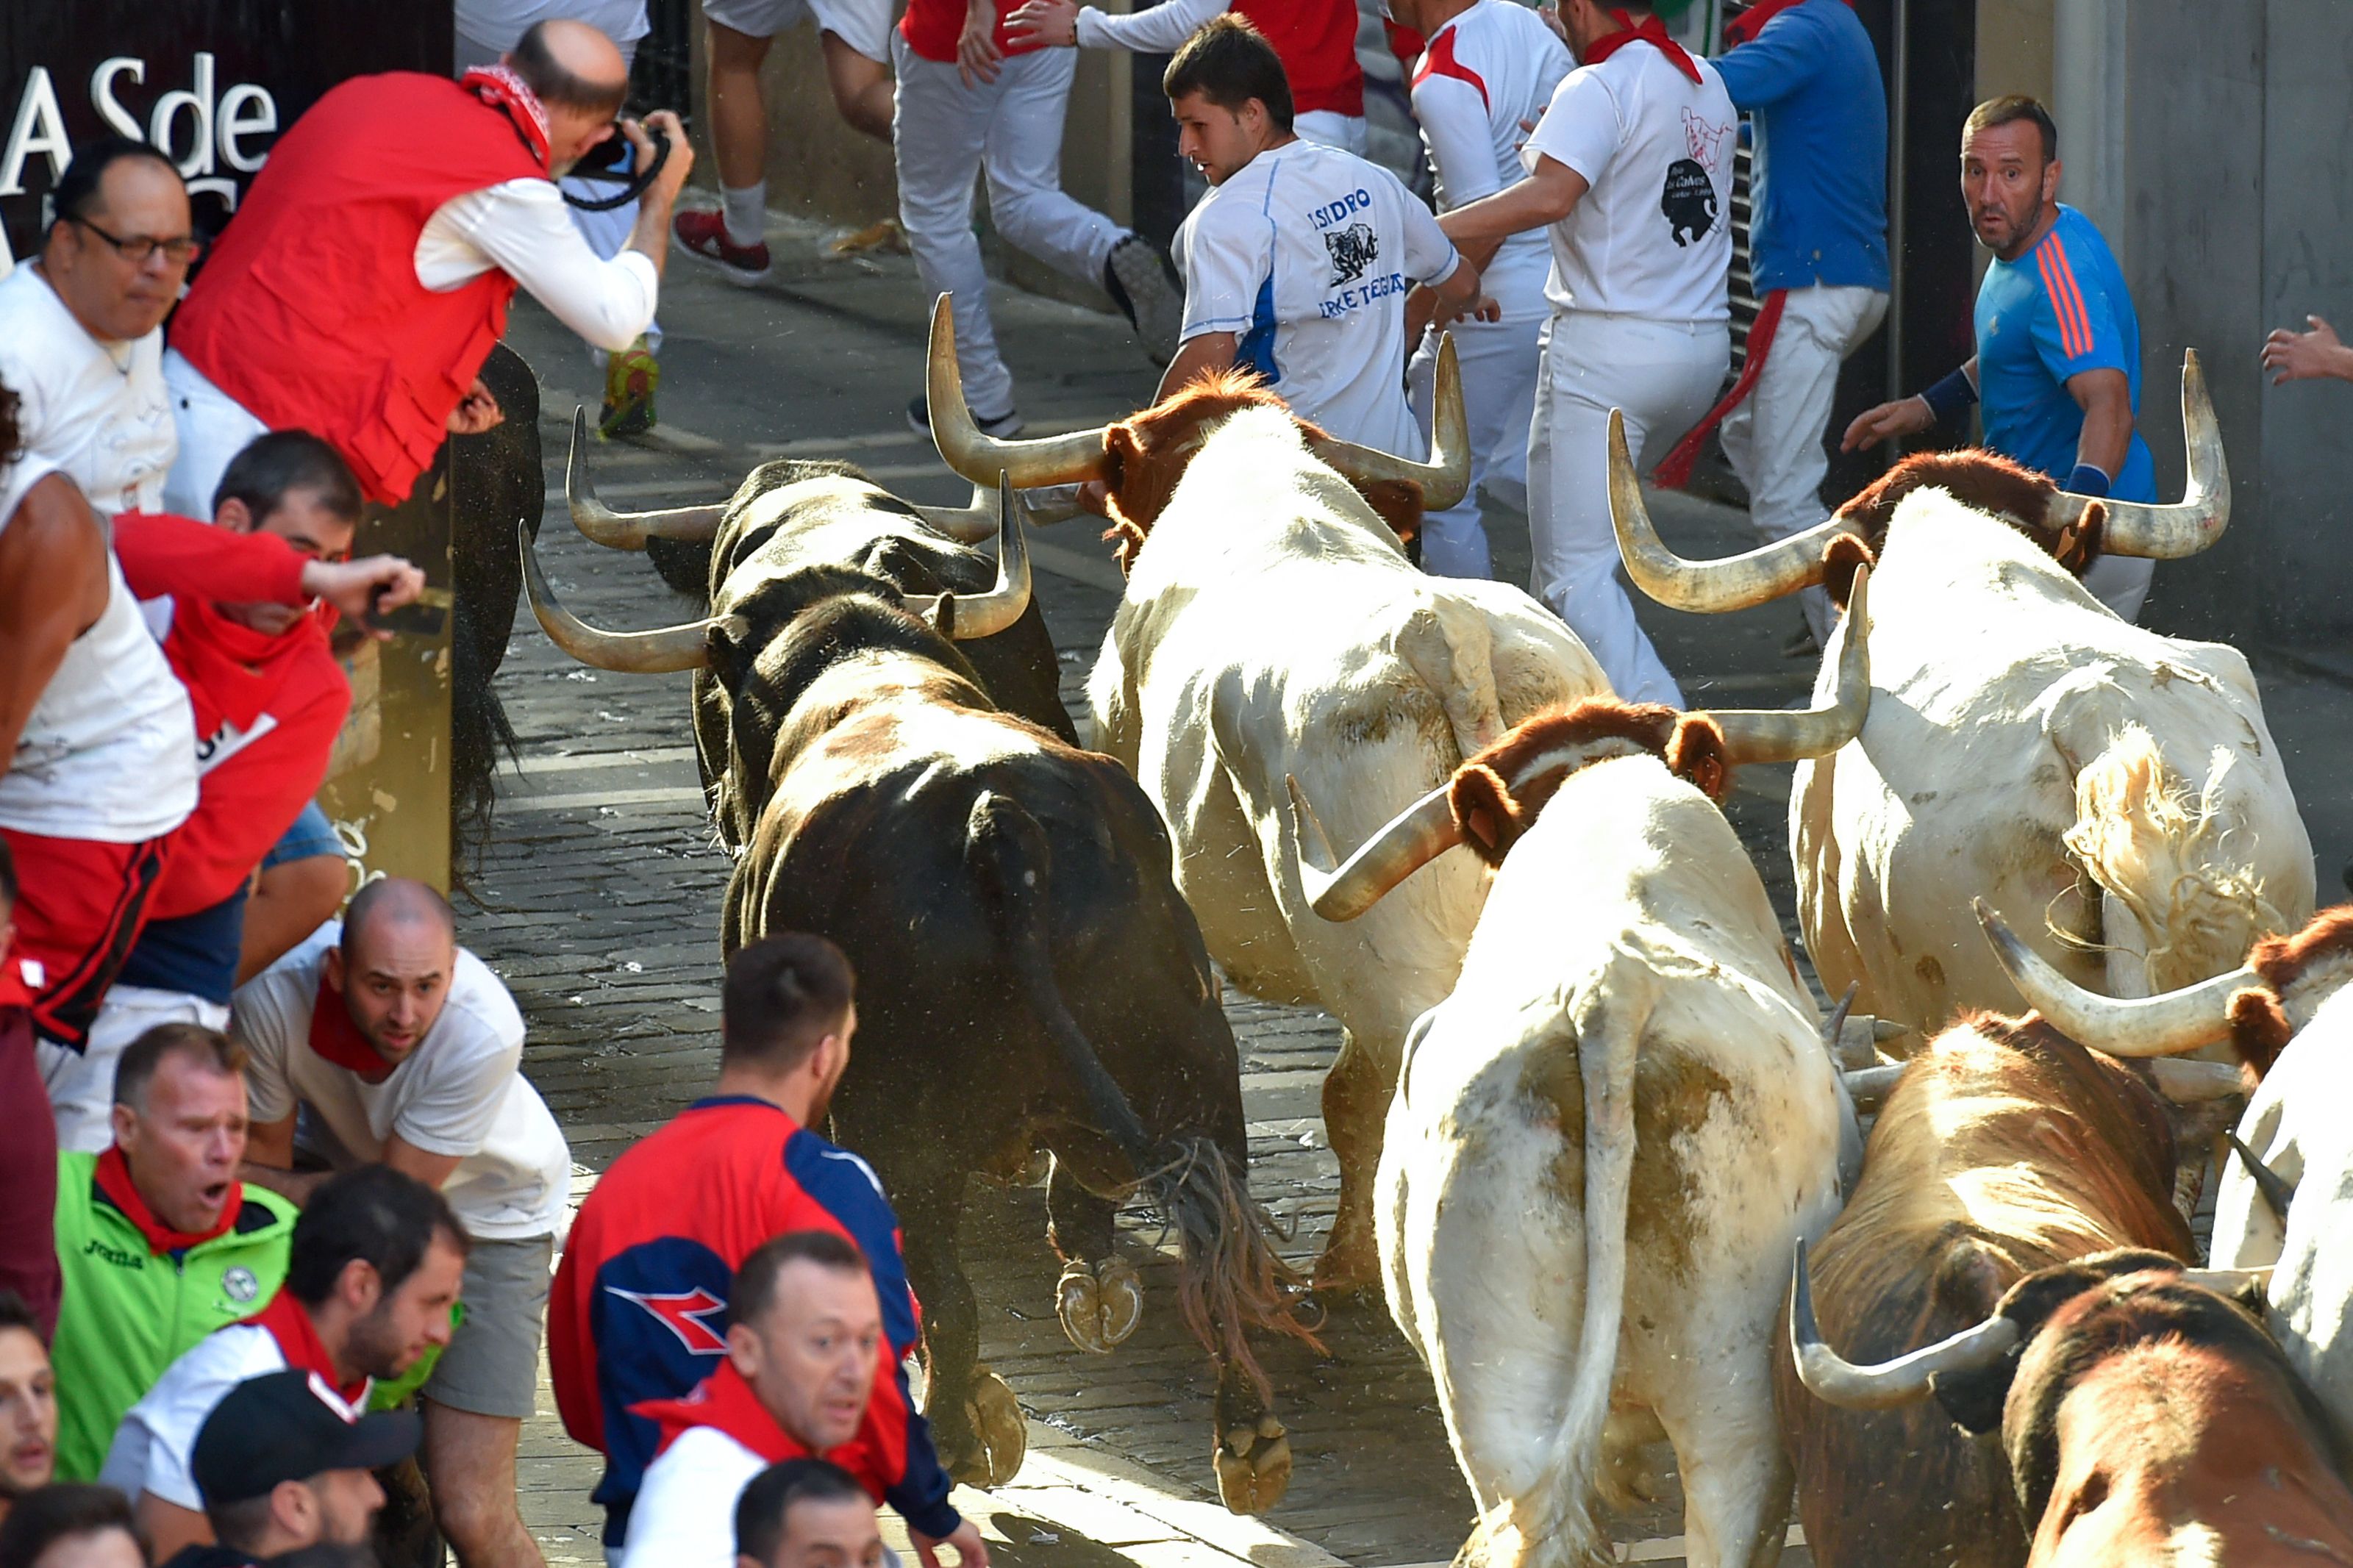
(1307, 254)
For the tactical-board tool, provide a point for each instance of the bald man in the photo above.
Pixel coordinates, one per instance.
(368, 273)
(404, 1047)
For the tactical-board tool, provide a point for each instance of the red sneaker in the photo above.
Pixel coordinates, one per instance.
(703, 236)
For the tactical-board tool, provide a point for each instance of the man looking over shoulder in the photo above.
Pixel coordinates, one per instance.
(640, 1301)
(368, 273)
(1296, 263)
(404, 1047)
(2058, 360)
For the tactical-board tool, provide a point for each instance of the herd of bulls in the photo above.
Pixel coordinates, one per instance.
(1585, 1111)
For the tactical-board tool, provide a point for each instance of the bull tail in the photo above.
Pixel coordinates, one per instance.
(1229, 1276)
(1556, 1522)
(2181, 900)
(1449, 648)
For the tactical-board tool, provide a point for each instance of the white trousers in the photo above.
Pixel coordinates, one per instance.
(81, 1083)
(1775, 438)
(943, 133)
(1499, 362)
(2121, 582)
(1330, 128)
(213, 427)
(1663, 376)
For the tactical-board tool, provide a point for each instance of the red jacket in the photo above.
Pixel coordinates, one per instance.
(932, 27)
(308, 311)
(1317, 42)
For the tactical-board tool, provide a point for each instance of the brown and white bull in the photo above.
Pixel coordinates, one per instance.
(1604, 1140)
(1273, 626)
(2285, 1205)
(2143, 1419)
(2114, 792)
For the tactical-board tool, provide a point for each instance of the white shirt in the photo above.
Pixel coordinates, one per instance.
(1159, 29)
(157, 1440)
(1305, 254)
(1485, 72)
(1653, 237)
(461, 1091)
(685, 1513)
(524, 229)
(109, 751)
(496, 25)
(96, 410)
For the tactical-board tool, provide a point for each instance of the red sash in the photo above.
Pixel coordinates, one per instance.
(1675, 471)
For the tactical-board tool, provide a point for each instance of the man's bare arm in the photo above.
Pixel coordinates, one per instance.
(2106, 398)
(269, 1161)
(1208, 353)
(53, 587)
(1546, 196)
(650, 237)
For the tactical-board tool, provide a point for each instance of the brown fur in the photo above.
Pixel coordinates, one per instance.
(1841, 558)
(2260, 1028)
(1492, 815)
(1993, 1112)
(1989, 482)
(1146, 455)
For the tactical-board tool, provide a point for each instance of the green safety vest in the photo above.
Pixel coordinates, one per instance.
(129, 1313)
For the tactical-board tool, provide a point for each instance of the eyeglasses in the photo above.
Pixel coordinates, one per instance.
(139, 249)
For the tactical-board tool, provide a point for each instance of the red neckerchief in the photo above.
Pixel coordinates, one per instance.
(725, 1403)
(1675, 471)
(335, 1037)
(501, 88)
(233, 672)
(1653, 32)
(1743, 28)
(115, 1181)
(298, 1341)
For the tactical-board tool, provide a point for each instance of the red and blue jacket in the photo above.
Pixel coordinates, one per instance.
(637, 1315)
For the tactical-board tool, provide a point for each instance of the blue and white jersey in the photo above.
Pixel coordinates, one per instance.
(1307, 254)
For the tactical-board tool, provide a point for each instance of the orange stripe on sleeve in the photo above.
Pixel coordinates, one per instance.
(2067, 299)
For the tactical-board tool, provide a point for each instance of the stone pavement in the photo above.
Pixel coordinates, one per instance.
(598, 898)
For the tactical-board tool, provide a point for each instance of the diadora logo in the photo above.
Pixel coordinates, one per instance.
(697, 1316)
(114, 1254)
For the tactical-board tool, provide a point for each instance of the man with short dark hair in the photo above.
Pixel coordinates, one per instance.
(1296, 263)
(368, 273)
(70, 1525)
(403, 1047)
(2058, 362)
(284, 1462)
(804, 1339)
(159, 1241)
(28, 1403)
(371, 1278)
(641, 1298)
(807, 1513)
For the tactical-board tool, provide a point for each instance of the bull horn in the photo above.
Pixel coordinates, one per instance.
(1446, 477)
(2229, 1281)
(1705, 587)
(1415, 836)
(1903, 1381)
(986, 614)
(638, 652)
(2192, 523)
(2277, 1191)
(1870, 1086)
(2196, 1082)
(1773, 735)
(625, 530)
(2164, 1026)
(979, 458)
(965, 524)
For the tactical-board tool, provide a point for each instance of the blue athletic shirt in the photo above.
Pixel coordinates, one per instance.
(2058, 311)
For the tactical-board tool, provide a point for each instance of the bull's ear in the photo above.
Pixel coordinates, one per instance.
(728, 641)
(1973, 1399)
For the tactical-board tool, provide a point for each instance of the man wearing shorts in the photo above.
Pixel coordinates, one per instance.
(971, 101)
(1630, 169)
(855, 37)
(1296, 264)
(2058, 360)
(402, 1047)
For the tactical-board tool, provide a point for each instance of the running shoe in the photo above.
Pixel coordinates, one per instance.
(1005, 427)
(703, 236)
(1144, 286)
(630, 378)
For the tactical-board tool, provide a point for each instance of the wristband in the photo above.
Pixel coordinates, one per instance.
(2088, 480)
(1950, 398)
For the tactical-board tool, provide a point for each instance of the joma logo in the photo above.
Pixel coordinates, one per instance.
(114, 1254)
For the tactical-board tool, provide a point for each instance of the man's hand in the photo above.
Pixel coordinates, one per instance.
(1904, 416)
(977, 59)
(1094, 496)
(971, 1550)
(476, 412)
(2301, 356)
(663, 192)
(1053, 23)
(350, 586)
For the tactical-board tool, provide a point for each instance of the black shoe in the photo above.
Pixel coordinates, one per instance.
(1803, 645)
(1144, 286)
(1004, 426)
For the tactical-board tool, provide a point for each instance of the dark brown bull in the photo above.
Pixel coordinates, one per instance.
(2004, 1148)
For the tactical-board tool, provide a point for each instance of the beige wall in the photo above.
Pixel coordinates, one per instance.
(2014, 48)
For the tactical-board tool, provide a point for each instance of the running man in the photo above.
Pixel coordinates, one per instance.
(2058, 360)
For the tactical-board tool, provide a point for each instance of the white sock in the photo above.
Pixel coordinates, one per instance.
(746, 212)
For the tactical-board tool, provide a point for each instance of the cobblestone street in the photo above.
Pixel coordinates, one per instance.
(598, 901)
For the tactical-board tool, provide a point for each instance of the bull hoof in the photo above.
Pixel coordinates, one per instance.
(1254, 1466)
(1348, 1270)
(1100, 1304)
(994, 1417)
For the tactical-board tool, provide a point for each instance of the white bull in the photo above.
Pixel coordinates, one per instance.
(2113, 791)
(1606, 1142)
(1273, 626)
(2286, 1203)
